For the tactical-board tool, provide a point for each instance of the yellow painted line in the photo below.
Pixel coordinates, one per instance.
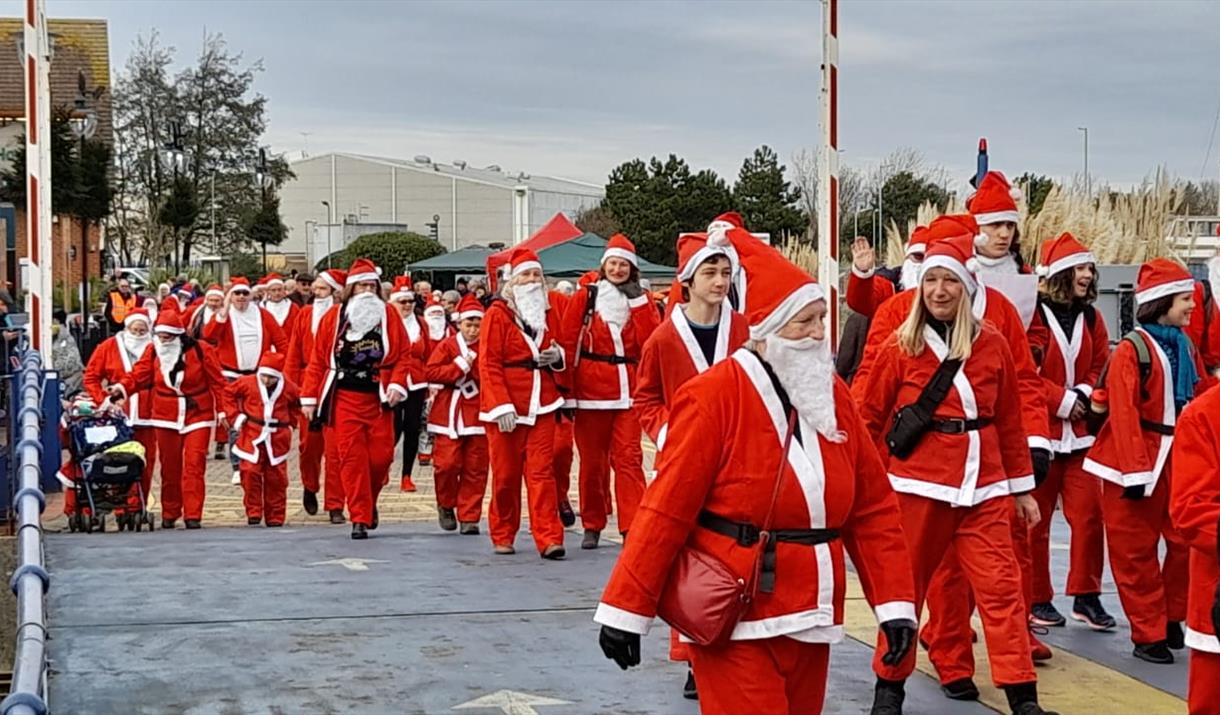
(1068, 683)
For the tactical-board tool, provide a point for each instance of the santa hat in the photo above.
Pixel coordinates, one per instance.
(169, 322)
(469, 307)
(334, 277)
(434, 305)
(521, 260)
(215, 290)
(693, 250)
(1162, 277)
(1061, 254)
(949, 226)
(918, 242)
(137, 315)
(619, 246)
(239, 283)
(727, 220)
(781, 289)
(995, 201)
(402, 288)
(271, 279)
(955, 253)
(363, 270)
(271, 364)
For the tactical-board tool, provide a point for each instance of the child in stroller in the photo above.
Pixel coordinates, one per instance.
(102, 474)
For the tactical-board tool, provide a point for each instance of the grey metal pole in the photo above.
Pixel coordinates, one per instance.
(329, 220)
(1088, 181)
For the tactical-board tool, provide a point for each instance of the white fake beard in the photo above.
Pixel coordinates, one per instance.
(320, 306)
(910, 273)
(529, 301)
(1004, 265)
(364, 311)
(134, 345)
(278, 309)
(168, 354)
(436, 325)
(806, 371)
(612, 304)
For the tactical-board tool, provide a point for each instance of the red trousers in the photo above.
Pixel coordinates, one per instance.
(265, 488)
(184, 460)
(948, 631)
(1203, 684)
(775, 676)
(314, 445)
(363, 433)
(563, 457)
(1152, 593)
(525, 453)
(982, 538)
(1081, 495)
(609, 439)
(459, 470)
(222, 435)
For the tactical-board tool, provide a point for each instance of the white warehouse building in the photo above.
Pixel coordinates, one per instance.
(469, 205)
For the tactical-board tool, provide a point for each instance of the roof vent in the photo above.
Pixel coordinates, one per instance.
(494, 167)
(423, 159)
(459, 163)
(522, 176)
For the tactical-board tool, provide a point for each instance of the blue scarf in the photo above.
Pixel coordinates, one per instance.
(1181, 360)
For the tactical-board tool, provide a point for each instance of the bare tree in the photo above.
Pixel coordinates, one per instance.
(805, 173)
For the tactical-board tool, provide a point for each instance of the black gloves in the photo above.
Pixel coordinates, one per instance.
(631, 289)
(620, 646)
(899, 635)
(1042, 464)
(1136, 492)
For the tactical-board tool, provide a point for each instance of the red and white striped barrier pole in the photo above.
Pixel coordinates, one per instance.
(38, 175)
(828, 198)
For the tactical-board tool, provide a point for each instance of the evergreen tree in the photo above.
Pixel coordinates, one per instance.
(766, 200)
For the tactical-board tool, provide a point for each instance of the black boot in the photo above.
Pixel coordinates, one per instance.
(336, 516)
(1023, 699)
(567, 517)
(446, 517)
(591, 538)
(1087, 609)
(689, 691)
(1174, 636)
(359, 531)
(1156, 653)
(310, 500)
(888, 696)
(253, 521)
(168, 523)
(193, 524)
(962, 689)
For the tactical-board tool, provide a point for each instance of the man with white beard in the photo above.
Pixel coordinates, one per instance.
(521, 373)
(355, 376)
(316, 439)
(113, 359)
(187, 389)
(773, 411)
(275, 302)
(436, 317)
(242, 332)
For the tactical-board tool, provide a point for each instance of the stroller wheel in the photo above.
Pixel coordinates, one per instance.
(90, 524)
(72, 524)
(137, 522)
(149, 520)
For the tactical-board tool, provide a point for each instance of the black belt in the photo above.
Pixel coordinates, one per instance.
(260, 423)
(528, 365)
(1157, 427)
(612, 359)
(746, 534)
(225, 368)
(958, 426)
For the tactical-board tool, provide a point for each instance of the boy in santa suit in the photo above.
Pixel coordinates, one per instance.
(112, 360)
(521, 373)
(187, 389)
(355, 377)
(774, 410)
(408, 416)
(1194, 505)
(1131, 457)
(264, 407)
(603, 333)
(316, 439)
(275, 302)
(459, 462)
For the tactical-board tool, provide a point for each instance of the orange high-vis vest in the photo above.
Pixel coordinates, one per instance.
(121, 306)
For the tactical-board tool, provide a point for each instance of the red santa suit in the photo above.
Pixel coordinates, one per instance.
(1071, 365)
(110, 362)
(187, 398)
(263, 419)
(242, 337)
(867, 291)
(723, 453)
(459, 457)
(284, 311)
(315, 443)
(512, 381)
(565, 446)
(1194, 505)
(955, 488)
(1132, 452)
(201, 314)
(409, 415)
(1204, 333)
(605, 351)
(349, 379)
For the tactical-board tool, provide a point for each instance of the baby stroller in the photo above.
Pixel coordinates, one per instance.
(110, 463)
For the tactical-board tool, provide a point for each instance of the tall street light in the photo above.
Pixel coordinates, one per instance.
(264, 179)
(83, 123)
(329, 221)
(173, 158)
(1088, 181)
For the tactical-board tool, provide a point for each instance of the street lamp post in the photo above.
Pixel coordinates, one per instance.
(1088, 181)
(329, 220)
(173, 156)
(263, 177)
(83, 123)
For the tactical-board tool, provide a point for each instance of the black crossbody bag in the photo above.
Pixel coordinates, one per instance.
(913, 421)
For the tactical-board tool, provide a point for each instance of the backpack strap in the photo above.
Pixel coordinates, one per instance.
(1143, 356)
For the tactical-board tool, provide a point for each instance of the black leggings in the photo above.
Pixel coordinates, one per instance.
(408, 420)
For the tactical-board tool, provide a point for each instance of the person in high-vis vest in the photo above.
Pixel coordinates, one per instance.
(119, 302)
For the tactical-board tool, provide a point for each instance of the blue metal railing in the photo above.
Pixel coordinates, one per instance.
(30, 580)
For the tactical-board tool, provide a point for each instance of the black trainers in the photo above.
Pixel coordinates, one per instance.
(1045, 614)
(963, 689)
(193, 524)
(447, 519)
(1174, 637)
(566, 516)
(168, 523)
(469, 528)
(689, 691)
(253, 520)
(590, 540)
(888, 696)
(1156, 653)
(336, 516)
(1023, 699)
(310, 500)
(1087, 609)
(359, 532)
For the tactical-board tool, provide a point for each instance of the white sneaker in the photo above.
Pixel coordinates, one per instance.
(236, 477)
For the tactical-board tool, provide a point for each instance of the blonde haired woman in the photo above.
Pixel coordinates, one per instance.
(956, 463)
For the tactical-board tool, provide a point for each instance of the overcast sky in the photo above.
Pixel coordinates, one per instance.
(575, 88)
